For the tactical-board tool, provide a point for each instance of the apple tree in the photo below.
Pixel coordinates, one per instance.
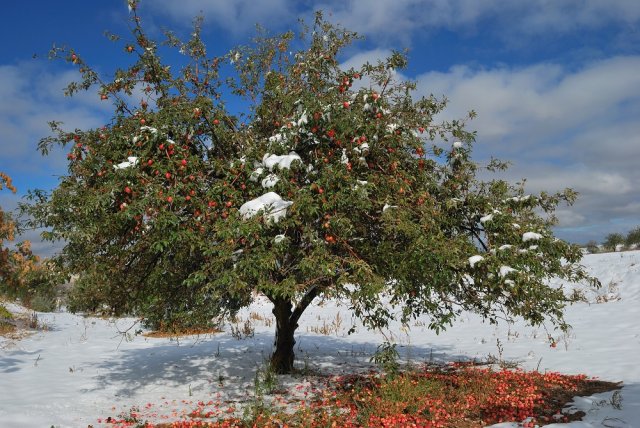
(328, 183)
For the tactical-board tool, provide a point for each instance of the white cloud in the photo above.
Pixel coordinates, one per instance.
(30, 97)
(516, 100)
(371, 56)
(236, 17)
(559, 127)
(402, 19)
(397, 19)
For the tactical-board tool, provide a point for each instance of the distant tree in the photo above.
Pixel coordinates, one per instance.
(333, 183)
(7, 234)
(592, 247)
(633, 237)
(612, 241)
(21, 274)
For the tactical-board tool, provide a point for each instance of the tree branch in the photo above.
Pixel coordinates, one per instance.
(306, 300)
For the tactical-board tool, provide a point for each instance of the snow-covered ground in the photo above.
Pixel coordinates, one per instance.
(79, 370)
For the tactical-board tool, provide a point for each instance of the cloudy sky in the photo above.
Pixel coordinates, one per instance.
(556, 84)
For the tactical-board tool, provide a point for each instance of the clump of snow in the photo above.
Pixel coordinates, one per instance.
(275, 208)
(505, 247)
(278, 238)
(362, 148)
(486, 218)
(531, 236)
(131, 161)
(475, 259)
(344, 159)
(506, 270)
(518, 198)
(255, 175)
(303, 119)
(149, 129)
(282, 162)
(270, 162)
(457, 145)
(278, 138)
(270, 181)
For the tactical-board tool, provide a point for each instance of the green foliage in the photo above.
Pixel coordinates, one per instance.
(7, 233)
(5, 314)
(22, 275)
(382, 206)
(633, 237)
(386, 357)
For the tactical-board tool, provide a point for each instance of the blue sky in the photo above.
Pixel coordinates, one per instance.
(556, 84)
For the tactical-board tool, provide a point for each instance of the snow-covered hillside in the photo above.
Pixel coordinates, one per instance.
(78, 370)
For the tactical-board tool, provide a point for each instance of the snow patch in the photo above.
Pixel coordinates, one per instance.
(282, 162)
(486, 218)
(506, 270)
(475, 259)
(151, 129)
(303, 119)
(344, 159)
(278, 138)
(273, 205)
(131, 161)
(363, 148)
(255, 175)
(270, 181)
(531, 236)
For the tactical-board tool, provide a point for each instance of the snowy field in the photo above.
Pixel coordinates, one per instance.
(78, 371)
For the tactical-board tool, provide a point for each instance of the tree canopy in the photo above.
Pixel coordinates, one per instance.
(612, 241)
(331, 182)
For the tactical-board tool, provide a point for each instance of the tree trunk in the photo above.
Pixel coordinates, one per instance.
(286, 325)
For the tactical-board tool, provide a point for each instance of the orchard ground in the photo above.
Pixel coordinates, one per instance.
(77, 371)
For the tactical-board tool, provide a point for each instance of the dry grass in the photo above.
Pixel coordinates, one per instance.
(183, 332)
